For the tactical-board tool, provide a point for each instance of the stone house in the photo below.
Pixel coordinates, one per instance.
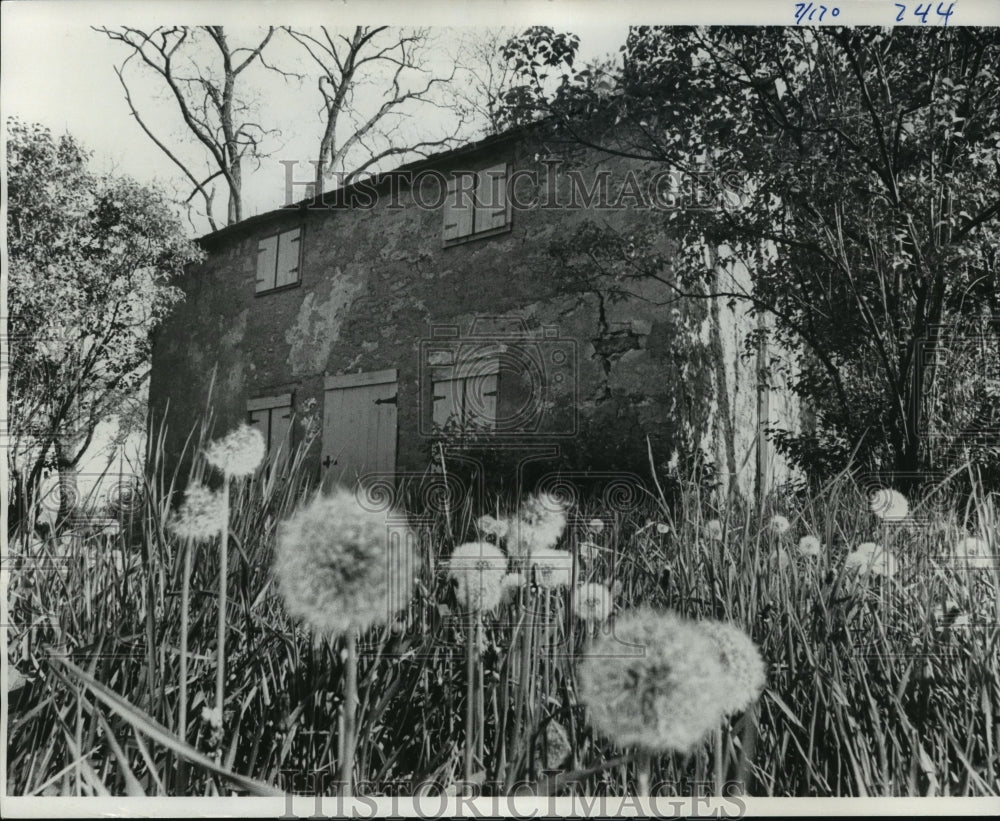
(454, 302)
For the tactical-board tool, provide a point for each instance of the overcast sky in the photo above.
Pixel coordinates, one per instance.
(59, 72)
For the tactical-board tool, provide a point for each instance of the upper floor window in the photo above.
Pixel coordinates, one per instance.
(278, 260)
(477, 205)
(272, 416)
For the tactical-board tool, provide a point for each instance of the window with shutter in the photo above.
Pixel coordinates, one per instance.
(477, 205)
(459, 207)
(464, 396)
(278, 260)
(272, 416)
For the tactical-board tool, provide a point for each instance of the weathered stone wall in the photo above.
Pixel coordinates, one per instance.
(734, 435)
(375, 281)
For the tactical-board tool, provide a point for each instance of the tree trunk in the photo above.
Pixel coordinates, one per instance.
(17, 503)
(68, 490)
(235, 192)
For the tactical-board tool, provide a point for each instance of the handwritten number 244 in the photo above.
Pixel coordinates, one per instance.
(923, 10)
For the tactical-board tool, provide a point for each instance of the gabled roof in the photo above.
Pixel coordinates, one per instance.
(377, 180)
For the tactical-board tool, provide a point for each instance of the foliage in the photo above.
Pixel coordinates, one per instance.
(90, 258)
(535, 54)
(854, 175)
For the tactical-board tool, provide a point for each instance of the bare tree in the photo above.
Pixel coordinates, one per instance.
(202, 71)
(361, 130)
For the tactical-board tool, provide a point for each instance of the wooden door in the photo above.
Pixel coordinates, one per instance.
(359, 426)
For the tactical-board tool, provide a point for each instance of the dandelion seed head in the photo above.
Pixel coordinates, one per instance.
(596, 525)
(662, 528)
(869, 557)
(810, 546)
(743, 668)
(557, 743)
(592, 602)
(491, 526)
(338, 569)
(553, 568)
(478, 568)
(889, 505)
(112, 528)
(202, 515)
(779, 525)
(713, 530)
(971, 551)
(539, 524)
(212, 716)
(239, 452)
(668, 697)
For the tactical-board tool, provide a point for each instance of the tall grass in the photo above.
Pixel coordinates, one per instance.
(869, 691)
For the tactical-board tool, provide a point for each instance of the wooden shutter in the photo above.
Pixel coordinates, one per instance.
(479, 372)
(279, 444)
(267, 258)
(492, 205)
(287, 267)
(259, 419)
(272, 416)
(446, 398)
(459, 207)
(480, 406)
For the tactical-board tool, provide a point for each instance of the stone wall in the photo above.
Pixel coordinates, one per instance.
(376, 281)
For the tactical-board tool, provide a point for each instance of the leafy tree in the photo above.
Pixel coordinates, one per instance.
(90, 258)
(855, 177)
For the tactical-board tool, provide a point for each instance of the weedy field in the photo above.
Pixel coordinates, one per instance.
(836, 645)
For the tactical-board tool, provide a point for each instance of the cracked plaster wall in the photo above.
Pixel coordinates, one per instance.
(373, 284)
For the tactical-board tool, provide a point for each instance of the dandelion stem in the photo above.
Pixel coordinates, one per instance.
(220, 667)
(350, 715)
(480, 695)
(182, 705)
(525, 688)
(643, 764)
(747, 744)
(470, 693)
(719, 772)
(526, 628)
